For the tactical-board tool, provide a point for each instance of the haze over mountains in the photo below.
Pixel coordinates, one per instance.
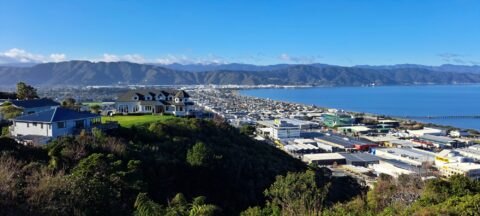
(110, 73)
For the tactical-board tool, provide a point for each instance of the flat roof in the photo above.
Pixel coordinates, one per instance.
(323, 156)
(346, 142)
(410, 153)
(380, 138)
(462, 166)
(434, 138)
(356, 128)
(360, 157)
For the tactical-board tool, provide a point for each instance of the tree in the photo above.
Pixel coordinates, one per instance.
(247, 129)
(9, 111)
(298, 193)
(198, 155)
(69, 103)
(25, 91)
(95, 108)
(144, 206)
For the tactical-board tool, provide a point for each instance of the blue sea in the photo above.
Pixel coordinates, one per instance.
(430, 100)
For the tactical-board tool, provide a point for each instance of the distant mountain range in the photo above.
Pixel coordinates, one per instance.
(110, 73)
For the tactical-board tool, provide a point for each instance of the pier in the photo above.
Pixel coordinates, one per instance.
(441, 117)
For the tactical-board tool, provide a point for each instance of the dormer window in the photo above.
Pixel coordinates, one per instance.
(135, 97)
(169, 97)
(177, 100)
(148, 98)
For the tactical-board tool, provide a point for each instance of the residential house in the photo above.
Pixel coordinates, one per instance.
(155, 101)
(53, 123)
(34, 105)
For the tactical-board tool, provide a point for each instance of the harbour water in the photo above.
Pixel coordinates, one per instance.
(428, 100)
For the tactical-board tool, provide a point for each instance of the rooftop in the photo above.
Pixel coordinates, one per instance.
(55, 115)
(43, 102)
(346, 142)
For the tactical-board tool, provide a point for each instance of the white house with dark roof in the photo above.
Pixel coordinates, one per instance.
(53, 123)
(155, 101)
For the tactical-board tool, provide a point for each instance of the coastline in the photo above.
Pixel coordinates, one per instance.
(354, 112)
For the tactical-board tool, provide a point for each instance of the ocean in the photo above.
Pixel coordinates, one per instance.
(425, 100)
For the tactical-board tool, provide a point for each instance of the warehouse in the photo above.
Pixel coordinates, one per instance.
(441, 141)
(345, 143)
(412, 156)
(324, 159)
(471, 170)
(360, 159)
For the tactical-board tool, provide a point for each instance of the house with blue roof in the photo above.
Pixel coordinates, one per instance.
(35, 105)
(53, 123)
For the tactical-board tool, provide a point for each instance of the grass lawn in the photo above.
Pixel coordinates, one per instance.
(91, 103)
(129, 121)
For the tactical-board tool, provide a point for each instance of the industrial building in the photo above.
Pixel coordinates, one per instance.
(471, 170)
(324, 159)
(345, 143)
(441, 141)
(337, 119)
(360, 159)
(412, 156)
(279, 129)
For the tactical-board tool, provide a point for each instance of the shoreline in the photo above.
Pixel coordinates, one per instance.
(398, 118)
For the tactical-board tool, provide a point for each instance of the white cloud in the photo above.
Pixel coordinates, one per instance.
(107, 57)
(183, 59)
(299, 59)
(16, 55)
(58, 57)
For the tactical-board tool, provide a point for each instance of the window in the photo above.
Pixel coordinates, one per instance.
(61, 124)
(135, 108)
(34, 124)
(181, 108)
(148, 108)
(177, 100)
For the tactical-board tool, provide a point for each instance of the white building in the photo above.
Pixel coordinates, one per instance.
(471, 170)
(156, 101)
(53, 123)
(428, 131)
(412, 156)
(280, 129)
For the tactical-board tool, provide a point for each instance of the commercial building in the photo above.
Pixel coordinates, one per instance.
(279, 129)
(324, 159)
(360, 159)
(471, 170)
(450, 156)
(356, 130)
(441, 141)
(337, 119)
(392, 168)
(412, 156)
(345, 143)
(428, 131)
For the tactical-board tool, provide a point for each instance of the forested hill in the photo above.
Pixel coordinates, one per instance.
(172, 167)
(102, 73)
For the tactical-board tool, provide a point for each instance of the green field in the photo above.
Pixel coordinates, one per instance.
(91, 103)
(129, 121)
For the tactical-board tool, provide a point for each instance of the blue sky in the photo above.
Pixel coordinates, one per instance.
(343, 32)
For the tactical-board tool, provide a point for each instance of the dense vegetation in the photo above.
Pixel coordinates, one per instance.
(103, 73)
(195, 167)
